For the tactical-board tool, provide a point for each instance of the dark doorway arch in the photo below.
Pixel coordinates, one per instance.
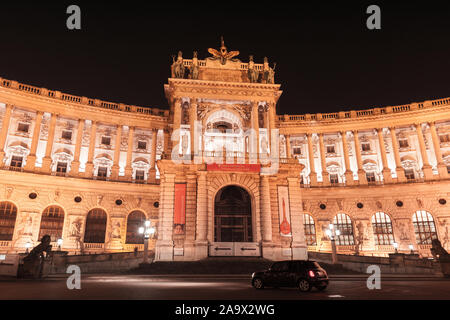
(52, 223)
(95, 226)
(135, 220)
(232, 215)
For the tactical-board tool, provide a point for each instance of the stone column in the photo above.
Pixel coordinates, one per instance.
(128, 168)
(192, 119)
(442, 168)
(191, 213)
(398, 164)
(288, 146)
(255, 126)
(266, 214)
(361, 173)
(201, 242)
(167, 147)
(75, 166)
(164, 244)
(152, 172)
(115, 168)
(299, 247)
(272, 115)
(313, 174)
(387, 177)
(426, 168)
(31, 159)
(4, 132)
(47, 161)
(176, 138)
(89, 170)
(323, 161)
(348, 172)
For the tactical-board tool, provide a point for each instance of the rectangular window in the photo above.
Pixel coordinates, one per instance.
(370, 176)
(334, 178)
(403, 143)
(444, 138)
(16, 162)
(365, 146)
(102, 172)
(106, 141)
(330, 149)
(23, 127)
(66, 134)
(61, 168)
(140, 175)
(142, 145)
(409, 174)
(297, 150)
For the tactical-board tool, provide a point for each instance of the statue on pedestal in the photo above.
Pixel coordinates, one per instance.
(252, 72)
(33, 263)
(194, 68)
(223, 54)
(268, 72)
(177, 67)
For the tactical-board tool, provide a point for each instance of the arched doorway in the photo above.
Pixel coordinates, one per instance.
(135, 220)
(233, 215)
(95, 226)
(52, 223)
(8, 214)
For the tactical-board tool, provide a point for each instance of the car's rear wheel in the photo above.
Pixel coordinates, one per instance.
(304, 285)
(321, 287)
(258, 283)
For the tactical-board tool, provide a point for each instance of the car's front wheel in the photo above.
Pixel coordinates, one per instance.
(304, 285)
(258, 283)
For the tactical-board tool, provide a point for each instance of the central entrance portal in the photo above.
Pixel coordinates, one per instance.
(233, 234)
(233, 215)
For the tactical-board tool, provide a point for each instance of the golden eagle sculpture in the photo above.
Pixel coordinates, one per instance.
(223, 54)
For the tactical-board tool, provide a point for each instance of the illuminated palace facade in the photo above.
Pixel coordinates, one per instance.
(220, 173)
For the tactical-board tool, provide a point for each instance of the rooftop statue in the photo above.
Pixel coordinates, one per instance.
(177, 68)
(223, 54)
(194, 67)
(268, 72)
(253, 74)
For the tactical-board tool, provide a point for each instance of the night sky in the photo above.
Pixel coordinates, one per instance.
(327, 60)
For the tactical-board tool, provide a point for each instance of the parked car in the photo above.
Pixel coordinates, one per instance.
(293, 273)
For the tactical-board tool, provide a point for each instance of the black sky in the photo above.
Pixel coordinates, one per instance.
(327, 60)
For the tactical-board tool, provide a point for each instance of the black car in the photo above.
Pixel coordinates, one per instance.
(293, 273)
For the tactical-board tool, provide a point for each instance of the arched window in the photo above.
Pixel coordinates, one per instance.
(382, 229)
(52, 223)
(310, 230)
(95, 226)
(343, 223)
(424, 227)
(135, 220)
(8, 213)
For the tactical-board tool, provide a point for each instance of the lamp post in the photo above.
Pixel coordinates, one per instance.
(332, 233)
(395, 244)
(146, 230)
(411, 247)
(59, 242)
(27, 246)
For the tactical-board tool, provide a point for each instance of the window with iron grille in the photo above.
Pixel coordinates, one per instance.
(61, 167)
(424, 227)
(106, 141)
(403, 143)
(142, 145)
(23, 127)
(16, 161)
(370, 176)
(409, 174)
(382, 229)
(135, 220)
(310, 230)
(365, 146)
(140, 175)
(102, 172)
(66, 134)
(52, 223)
(95, 226)
(343, 223)
(334, 178)
(8, 213)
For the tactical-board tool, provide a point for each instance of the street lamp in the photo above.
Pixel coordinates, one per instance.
(332, 233)
(59, 242)
(411, 247)
(395, 244)
(146, 230)
(27, 246)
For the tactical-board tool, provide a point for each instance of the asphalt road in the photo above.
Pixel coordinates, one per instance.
(216, 287)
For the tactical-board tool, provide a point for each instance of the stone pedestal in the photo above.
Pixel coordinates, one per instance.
(362, 177)
(387, 176)
(46, 164)
(400, 175)
(89, 171)
(128, 173)
(443, 172)
(349, 177)
(200, 249)
(427, 172)
(269, 250)
(313, 178)
(114, 172)
(74, 168)
(31, 161)
(299, 251)
(164, 250)
(325, 178)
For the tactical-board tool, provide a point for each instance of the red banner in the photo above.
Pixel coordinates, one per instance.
(234, 167)
(179, 216)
